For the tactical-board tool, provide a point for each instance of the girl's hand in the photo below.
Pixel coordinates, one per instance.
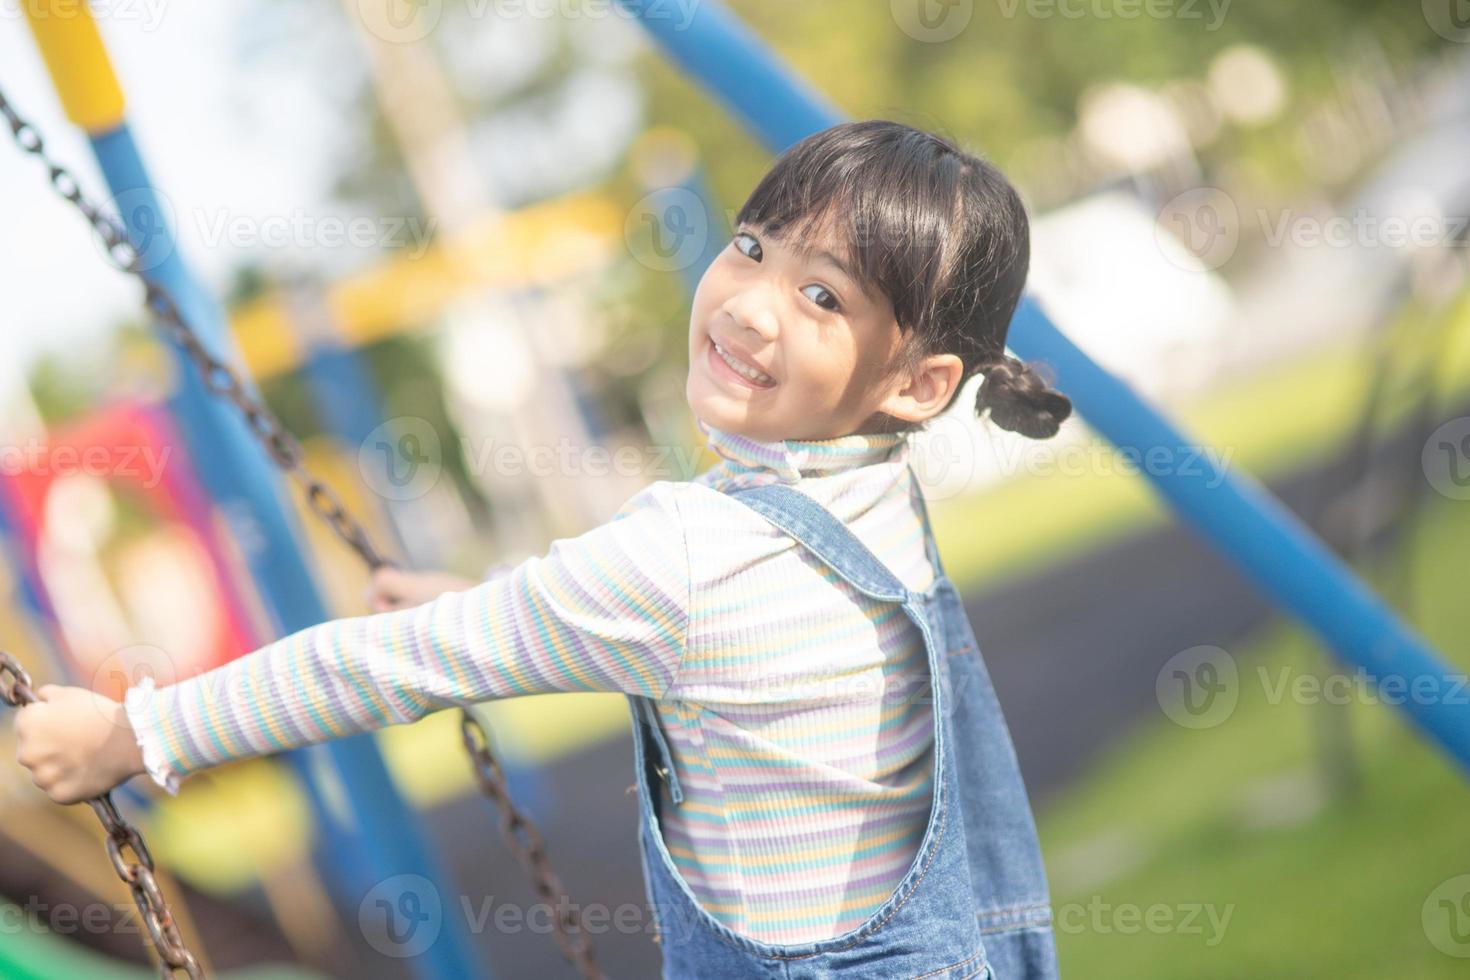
(392, 588)
(76, 744)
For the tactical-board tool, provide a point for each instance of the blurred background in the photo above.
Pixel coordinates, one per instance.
(454, 244)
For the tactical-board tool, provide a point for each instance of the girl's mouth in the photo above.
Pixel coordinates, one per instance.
(732, 370)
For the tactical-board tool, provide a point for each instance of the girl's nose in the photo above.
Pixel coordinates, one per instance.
(751, 310)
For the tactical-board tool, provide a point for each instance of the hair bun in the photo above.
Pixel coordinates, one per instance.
(1020, 399)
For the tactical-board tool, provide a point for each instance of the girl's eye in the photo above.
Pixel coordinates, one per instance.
(754, 251)
(831, 303)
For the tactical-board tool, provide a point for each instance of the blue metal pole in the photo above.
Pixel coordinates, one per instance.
(735, 66)
(377, 833)
(1274, 549)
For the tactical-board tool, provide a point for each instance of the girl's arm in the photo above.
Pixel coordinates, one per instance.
(606, 611)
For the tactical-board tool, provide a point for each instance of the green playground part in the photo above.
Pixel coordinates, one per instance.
(34, 954)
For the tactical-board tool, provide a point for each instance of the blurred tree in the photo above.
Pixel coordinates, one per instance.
(1008, 84)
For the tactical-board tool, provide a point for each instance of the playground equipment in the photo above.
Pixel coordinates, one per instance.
(223, 380)
(1270, 546)
(380, 830)
(137, 430)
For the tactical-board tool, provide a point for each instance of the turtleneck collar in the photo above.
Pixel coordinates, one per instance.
(793, 459)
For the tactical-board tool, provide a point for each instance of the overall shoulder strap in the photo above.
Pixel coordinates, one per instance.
(825, 536)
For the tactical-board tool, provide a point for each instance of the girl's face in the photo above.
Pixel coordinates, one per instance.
(812, 348)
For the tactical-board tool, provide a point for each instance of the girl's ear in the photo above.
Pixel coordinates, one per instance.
(925, 392)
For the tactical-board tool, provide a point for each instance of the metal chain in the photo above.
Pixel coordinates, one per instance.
(528, 846)
(223, 380)
(123, 838)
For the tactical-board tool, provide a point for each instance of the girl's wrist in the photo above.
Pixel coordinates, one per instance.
(126, 755)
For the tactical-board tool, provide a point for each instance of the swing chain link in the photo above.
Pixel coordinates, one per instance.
(283, 448)
(122, 838)
(17, 692)
(526, 843)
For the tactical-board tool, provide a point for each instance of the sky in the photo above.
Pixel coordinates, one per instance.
(202, 145)
(236, 109)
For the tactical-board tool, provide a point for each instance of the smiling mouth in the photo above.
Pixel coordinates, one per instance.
(728, 366)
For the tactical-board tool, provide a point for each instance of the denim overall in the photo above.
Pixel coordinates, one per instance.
(973, 904)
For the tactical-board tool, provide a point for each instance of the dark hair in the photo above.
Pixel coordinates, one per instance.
(938, 231)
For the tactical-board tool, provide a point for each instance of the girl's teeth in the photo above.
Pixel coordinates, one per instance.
(741, 369)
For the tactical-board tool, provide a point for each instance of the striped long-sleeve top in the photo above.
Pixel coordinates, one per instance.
(786, 697)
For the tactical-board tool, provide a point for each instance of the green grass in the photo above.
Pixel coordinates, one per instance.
(1336, 891)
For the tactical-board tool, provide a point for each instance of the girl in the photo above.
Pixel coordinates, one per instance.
(826, 784)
